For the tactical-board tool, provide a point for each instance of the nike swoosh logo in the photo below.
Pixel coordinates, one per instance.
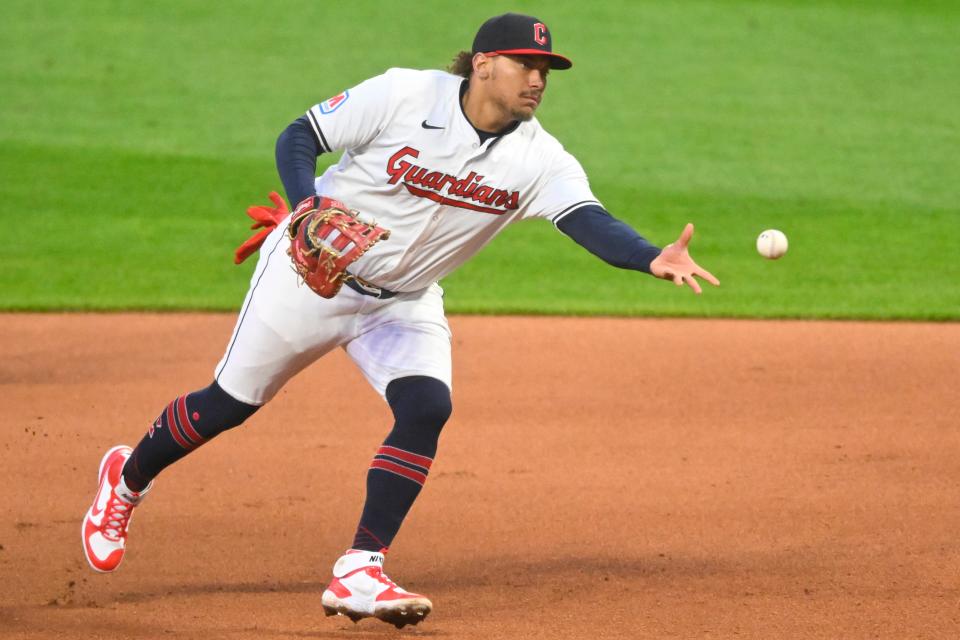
(99, 504)
(96, 511)
(429, 126)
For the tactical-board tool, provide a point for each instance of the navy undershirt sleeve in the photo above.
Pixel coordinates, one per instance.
(297, 151)
(609, 239)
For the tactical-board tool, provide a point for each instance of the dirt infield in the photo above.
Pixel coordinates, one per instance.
(603, 478)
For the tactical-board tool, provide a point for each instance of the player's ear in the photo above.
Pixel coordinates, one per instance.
(481, 66)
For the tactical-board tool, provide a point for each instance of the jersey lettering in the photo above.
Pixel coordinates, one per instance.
(407, 174)
(423, 182)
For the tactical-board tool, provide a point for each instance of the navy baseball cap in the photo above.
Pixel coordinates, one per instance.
(520, 35)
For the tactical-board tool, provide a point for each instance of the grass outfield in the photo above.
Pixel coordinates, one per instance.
(133, 136)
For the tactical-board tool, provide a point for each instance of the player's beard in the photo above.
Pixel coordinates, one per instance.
(523, 116)
(516, 112)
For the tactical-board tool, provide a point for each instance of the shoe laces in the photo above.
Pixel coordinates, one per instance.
(378, 574)
(116, 517)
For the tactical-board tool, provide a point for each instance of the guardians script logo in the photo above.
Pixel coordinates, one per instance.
(468, 192)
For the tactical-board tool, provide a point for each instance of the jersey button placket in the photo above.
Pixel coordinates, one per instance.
(425, 235)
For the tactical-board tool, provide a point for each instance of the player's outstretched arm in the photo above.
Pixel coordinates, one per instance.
(611, 240)
(618, 244)
(674, 263)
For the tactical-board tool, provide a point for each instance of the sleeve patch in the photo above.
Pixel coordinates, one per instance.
(332, 104)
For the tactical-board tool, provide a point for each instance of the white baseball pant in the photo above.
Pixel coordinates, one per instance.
(284, 326)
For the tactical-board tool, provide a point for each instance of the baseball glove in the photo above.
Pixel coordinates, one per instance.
(325, 238)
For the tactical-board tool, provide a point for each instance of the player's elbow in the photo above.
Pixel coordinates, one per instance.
(298, 137)
(285, 139)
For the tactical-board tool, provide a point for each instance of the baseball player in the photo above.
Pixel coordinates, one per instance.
(434, 165)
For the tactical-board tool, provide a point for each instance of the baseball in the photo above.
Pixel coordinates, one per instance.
(772, 244)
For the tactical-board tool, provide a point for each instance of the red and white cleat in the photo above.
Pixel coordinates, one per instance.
(360, 590)
(105, 525)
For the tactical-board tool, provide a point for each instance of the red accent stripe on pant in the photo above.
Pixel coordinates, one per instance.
(406, 456)
(400, 470)
(185, 425)
(174, 430)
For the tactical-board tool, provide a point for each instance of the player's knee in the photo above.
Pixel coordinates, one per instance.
(215, 410)
(421, 402)
(433, 412)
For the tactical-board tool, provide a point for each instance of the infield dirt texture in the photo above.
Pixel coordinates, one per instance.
(600, 478)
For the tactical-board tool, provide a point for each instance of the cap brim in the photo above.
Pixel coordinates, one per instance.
(556, 60)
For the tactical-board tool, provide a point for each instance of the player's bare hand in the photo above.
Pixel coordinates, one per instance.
(674, 263)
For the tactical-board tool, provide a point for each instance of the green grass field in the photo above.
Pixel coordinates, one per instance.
(134, 135)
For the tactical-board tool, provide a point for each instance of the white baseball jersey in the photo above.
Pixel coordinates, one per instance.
(414, 163)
